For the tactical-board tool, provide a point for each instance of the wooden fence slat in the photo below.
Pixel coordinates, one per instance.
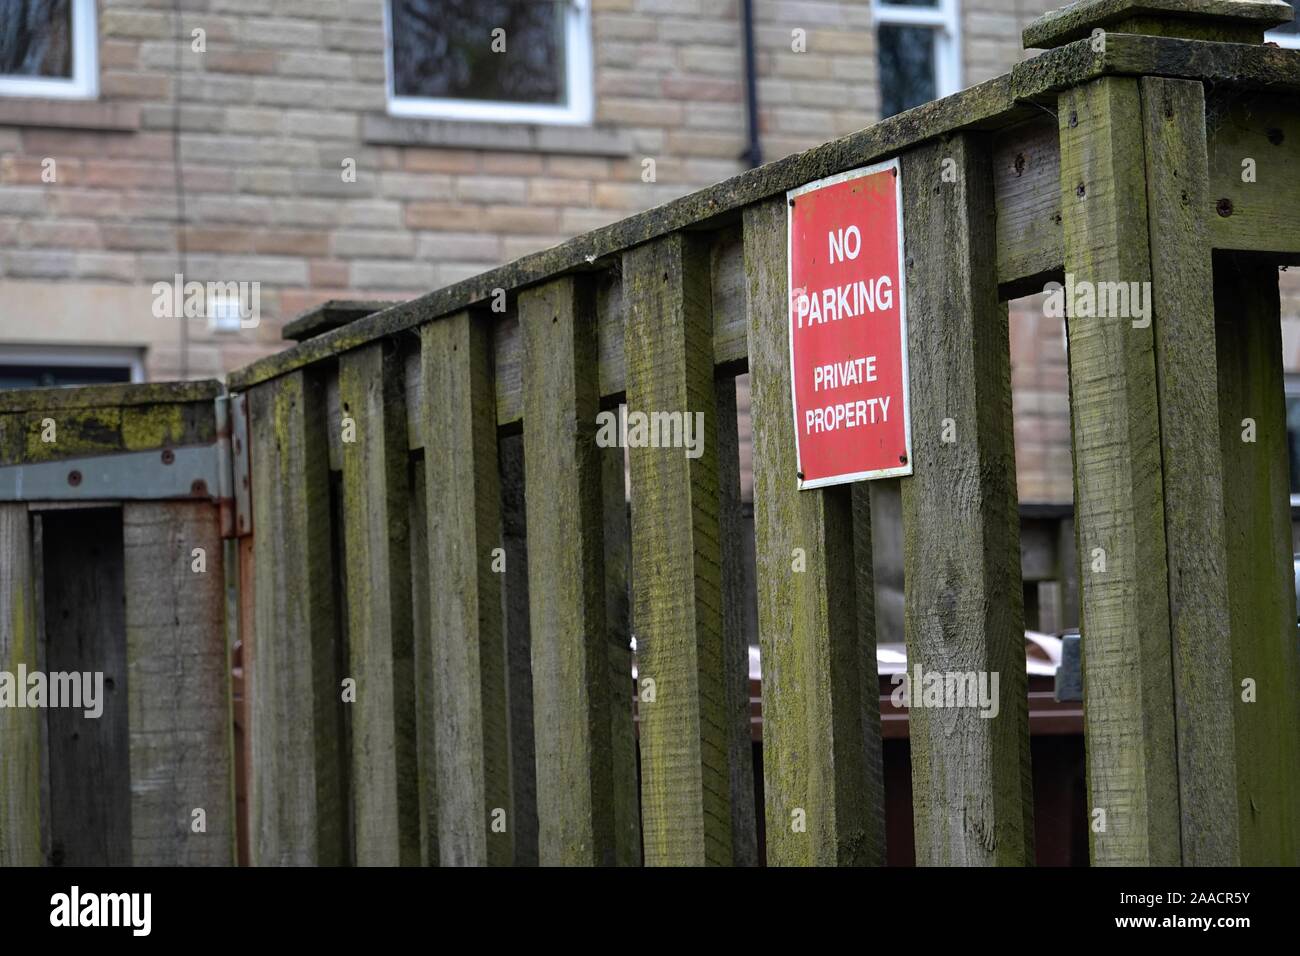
(296, 798)
(821, 706)
(1119, 500)
(247, 600)
(466, 634)
(519, 663)
(1182, 300)
(731, 528)
(178, 685)
(971, 794)
(676, 574)
(618, 627)
(425, 719)
(20, 729)
(1256, 476)
(376, 516)
(566, 587)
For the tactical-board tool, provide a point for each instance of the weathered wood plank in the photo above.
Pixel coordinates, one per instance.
(90, 429)
(1253, 201)
(381, 656)
(821, 776)
(20, 729)
(519, 663)
(1119, 500)
(971, 796)
(466, 634)
(108, 396)
(1209, 19)
(178, 686)
(566, 587)
(296, 793)
(1256, 477)
(1027, 197)
(686, 816)
(1173, 121)
(85, 631)
(731, 529)
(618, 627)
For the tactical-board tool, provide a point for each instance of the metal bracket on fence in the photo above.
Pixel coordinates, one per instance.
(186, 472)
(217, 472)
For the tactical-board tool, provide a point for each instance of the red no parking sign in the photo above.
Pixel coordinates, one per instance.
(848, 328)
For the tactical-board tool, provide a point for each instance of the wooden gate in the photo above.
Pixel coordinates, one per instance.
(442, 574)
(111, 536)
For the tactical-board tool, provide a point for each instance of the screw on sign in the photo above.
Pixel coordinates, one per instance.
(848, 328)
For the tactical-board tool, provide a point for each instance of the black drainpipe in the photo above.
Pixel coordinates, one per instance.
(753, 153)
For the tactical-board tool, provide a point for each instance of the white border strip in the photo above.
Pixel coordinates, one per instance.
(899, 470)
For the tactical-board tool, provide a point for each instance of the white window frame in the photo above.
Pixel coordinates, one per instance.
(945, 18)
(577, 111)
(84, 84)
(41, 356)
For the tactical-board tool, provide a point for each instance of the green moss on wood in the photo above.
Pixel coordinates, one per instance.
(1228, 20)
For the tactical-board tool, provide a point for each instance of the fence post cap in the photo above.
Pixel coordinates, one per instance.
(1232, 21)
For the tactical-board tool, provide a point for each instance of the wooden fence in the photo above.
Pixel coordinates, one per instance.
(434, 530)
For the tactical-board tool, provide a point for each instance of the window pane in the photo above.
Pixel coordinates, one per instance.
(42, 376)
(910, 3)
(443, 49)
(36, 38)
(906, 67)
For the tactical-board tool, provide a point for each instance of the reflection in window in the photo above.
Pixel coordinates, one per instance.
(36, 38)
(906, 68)
(47, 48)
(490, 59)
(919, 52)
(444, 48)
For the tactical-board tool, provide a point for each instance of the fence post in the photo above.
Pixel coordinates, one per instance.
(1119, 497)
(467, 638)
(20, 728)
(296, 795)
(821, 705)
(971, 790)
(676, 574)
(566, 587)
(1182, 308)
(1256, 474)
(376, 524)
